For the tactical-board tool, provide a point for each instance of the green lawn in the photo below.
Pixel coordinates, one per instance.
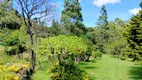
(43, 73)
(108, 68)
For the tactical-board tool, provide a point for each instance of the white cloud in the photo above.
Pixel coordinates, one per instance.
(99, 3)
(79, 0)
(134, 11)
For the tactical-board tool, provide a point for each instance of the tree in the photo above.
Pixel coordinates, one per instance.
(71, 19)
(101, 32)
(140, 4)
(8, 16)
(40, 28)
(55, 28)
(5, 6)
(119, 22)
(65, 46)
(116, 41)
(100, 37)
(134, 37)
(102, 21)
(29, 9)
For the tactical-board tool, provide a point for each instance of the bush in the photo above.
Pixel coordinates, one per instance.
(5, 75)
(130, 59)
(123, 58)
(138, 62)
(65, 46)
(97, 54)
(13, 42)
(11, 50)
(9, 72)
(67, 70)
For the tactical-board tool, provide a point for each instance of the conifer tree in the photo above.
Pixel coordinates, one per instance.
(102, 21)
(71, 19)
(102, 24)
(135, 36)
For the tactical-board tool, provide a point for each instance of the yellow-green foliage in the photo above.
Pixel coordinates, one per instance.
(18, 66)
(19, 36)
(23, 37)
(97, 54)
(6, 74)
(4, 59)
(9, 72)
(14, 39)
(71, 44)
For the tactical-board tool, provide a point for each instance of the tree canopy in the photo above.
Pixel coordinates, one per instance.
(71, 19)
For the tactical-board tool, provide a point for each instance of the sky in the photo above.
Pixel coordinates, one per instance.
(123, 9)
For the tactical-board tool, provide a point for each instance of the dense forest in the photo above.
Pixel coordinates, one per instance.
(31, 49)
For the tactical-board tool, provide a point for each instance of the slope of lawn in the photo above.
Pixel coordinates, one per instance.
(109, 68)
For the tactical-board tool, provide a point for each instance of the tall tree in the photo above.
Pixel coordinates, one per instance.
(135, 36)
(103, 18)
(101, 35)
(30, 9)
(71, 19)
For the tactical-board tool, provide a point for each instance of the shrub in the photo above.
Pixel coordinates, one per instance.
(138, 62)
(11, 50)
(63, 45)
(8, 72)
(97, 54)
(67, 70)
(13, 44)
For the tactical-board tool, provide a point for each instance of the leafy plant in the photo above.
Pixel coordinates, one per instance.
(9, 72)
(97, 54)
(68, 71)
(62, 45)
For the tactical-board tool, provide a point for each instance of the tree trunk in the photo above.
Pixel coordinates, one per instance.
(78, 59)
(59, 58)
(33, 55)
(40, 66)
(87, 58)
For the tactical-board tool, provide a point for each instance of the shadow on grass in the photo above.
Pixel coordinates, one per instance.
(90, 67)
(94, 61)
(83, 63)
(136, 73)
(86, 63)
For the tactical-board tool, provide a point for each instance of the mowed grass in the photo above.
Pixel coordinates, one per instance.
(109, 68)
(43, 73)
